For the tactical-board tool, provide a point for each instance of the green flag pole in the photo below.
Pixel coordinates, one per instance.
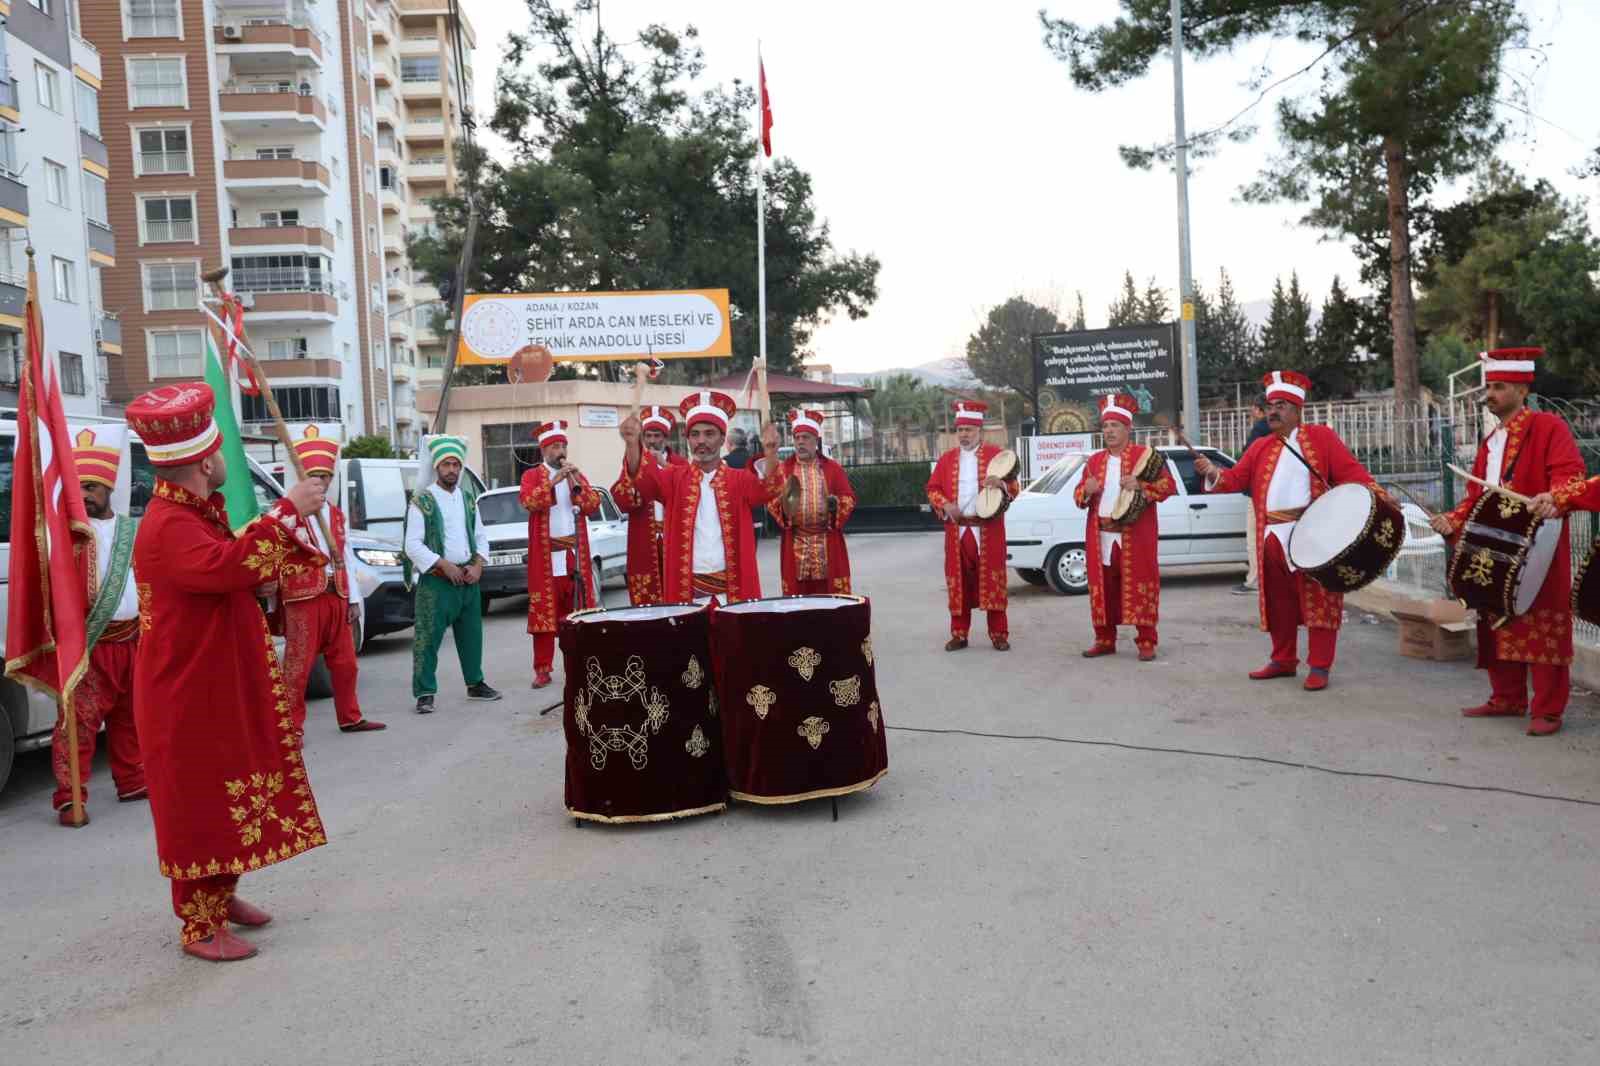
(238, 490)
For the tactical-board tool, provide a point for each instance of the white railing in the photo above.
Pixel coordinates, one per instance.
(161, 232)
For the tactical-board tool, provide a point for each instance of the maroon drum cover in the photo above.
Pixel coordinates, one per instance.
(1586, 587)
(799, 698)
(643, 743)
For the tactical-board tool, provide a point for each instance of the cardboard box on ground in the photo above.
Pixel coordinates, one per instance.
(1441, 630)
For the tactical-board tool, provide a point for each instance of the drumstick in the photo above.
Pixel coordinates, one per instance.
(1193, 453)
(1526, 501)
(1407, 493)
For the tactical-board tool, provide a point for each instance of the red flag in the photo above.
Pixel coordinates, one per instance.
(233, 318)
(766, 111)
(46, 640)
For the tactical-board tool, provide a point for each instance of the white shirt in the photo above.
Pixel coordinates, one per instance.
(562, 524)
(710, 554)
(453, 510)
(967, 481)
(349, 556)
(661, 461)
(1108, 503)
(1290, 488)
(1492, 471)
(105, 530)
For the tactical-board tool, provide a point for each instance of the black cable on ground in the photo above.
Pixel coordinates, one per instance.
(1264, 759)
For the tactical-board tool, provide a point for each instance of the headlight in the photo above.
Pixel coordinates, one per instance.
(378, 556)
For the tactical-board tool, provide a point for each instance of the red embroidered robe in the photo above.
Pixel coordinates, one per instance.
(737, 489)
(835, 482)
(644, 535)
(228, 789)
(944, 487)
(298, 580)
(1328, 456)
(1579, 495)
(1540, 456)
(1138, 557)
(538, 497)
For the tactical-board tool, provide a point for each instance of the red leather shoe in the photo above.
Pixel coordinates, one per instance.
(1544, 727)
(1272, 670)
(140, 793)
(242, 913)
(222, 946)
(1147, 655)
(541, 679)
(1316, 680)
(955, 644)
(1097, 649)
(366, 725)
(1493, 709)
(1000, 643)
(64, 816)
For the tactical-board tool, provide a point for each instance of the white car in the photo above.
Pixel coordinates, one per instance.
(1045, 527)
(506, 524)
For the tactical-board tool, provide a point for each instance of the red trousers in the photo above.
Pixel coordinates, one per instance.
(961, 624)
(1111, 577)
(1508, 681)
(104, 696)
(202, 904)
(320, 626)
(813, 587)
(544, 644)
(1282, 590)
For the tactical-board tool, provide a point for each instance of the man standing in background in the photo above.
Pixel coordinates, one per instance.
(1258, 429)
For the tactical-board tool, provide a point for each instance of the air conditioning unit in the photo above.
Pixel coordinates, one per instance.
(232, 33)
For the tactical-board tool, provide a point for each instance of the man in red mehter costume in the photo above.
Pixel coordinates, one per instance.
(646, 529)
(559, 502)
(974, 548)
(321, 603)
(1281, 488)
(815, 562)
(228, 788)
(1531, 453)
(710, 551)
(1124, 571)
(105, 696)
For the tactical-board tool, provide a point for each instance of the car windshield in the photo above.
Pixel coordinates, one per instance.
(1055, 479)
(608, 509)
(501, 508)
(1193, 483)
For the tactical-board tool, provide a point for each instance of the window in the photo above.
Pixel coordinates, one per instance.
(176, 354)
(338, 228)
(72, 374)
(283, 217)
(311, 403)
(153, 18)
(157, 83)
(97, 289)
(42, 5)
(171, 286)
(419, 68)
(55, 183)
(387, 179)
(280, 273)
(10, 366)
(94, 199)
(48, 84)
(64, 275)
(88, 107)
(168, 218)
(8, 152)
(288, 348)
(163, 151)
(1193, 483)
(275, 152)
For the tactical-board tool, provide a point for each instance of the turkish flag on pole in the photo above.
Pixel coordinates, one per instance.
(766, 110)
(46, 637)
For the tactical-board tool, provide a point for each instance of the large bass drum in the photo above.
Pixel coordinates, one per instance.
(1586, 587)
(1502, 557)
(643, 744)
(1348, 537)
(799, 693)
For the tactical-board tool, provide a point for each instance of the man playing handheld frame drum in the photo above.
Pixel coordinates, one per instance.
(974, 548)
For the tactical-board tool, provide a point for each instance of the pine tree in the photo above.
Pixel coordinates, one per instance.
(1239, 347)
(1286, 338)
(1079, 320)
(1335, 369)
(1128, 308)
(1156, 307)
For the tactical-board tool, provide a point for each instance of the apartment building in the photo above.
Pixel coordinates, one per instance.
(54, 170)
(420, 96)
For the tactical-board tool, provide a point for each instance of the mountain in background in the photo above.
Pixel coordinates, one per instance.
(950, 372)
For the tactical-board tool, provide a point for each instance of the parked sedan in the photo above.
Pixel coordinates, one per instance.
(1045, 527)
(506, 524)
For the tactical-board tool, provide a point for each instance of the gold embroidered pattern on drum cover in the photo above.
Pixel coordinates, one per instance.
(1509, 508)
(847, 691)
(697, 744)
(866, 650)
(1480, 569)
(805, 661)
(761, 698)
(632, 740)
(812, 729)
(1385, 534)
(1349, 575)
(872, 716)
(693, 675)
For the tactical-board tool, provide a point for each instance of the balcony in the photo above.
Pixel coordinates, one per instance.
(394, 243)
(271, 107)
(276, 177)
(286, 238)
(425, 128)
(421, 90)
(13, 199)
(10, 100)
(427, 168)
(419, 44)
(102, 243)
(13, 297)
(252, 44)
(392, 198)
(306, 366)
(400, 328)
(109, 335)
(287, 294)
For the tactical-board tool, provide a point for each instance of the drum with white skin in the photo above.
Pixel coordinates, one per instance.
(1347, 537)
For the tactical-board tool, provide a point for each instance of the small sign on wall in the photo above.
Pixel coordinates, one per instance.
(598, 416)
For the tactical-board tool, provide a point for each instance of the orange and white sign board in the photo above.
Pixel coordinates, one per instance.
(594, 326)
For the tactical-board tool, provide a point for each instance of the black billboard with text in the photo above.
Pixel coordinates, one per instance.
(1073, 370)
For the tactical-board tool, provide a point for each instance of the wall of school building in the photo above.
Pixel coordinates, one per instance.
(498, 422)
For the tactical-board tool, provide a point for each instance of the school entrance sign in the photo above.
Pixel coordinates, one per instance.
(595, 326)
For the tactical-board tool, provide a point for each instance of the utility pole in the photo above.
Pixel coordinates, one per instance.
(1191, 358)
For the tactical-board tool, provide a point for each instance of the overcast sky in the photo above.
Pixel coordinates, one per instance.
(960, 153)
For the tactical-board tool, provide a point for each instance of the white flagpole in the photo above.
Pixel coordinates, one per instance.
(761, 216)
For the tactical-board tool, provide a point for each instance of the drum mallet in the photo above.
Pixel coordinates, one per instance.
(1526, 501)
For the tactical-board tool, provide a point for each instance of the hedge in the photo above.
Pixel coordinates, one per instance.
(890, 484)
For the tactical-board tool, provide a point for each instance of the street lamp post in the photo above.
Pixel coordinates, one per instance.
(1191, 359)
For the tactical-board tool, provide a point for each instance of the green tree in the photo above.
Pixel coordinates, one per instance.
(1407, 99)
(1444, 354)
(1128, 308)
(369, 446)
(624, 178)
(1155, 307)
(1000, 353)
(1079, 321)
(1286, 338)
(904, 404)
(1335, 367)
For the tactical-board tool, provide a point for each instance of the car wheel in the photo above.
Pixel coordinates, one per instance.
(487, 599)
(1032, 577)
(8, 748)
(1067, 569)
(319, 685)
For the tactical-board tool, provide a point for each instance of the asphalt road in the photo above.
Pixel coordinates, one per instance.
(1066, 897)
